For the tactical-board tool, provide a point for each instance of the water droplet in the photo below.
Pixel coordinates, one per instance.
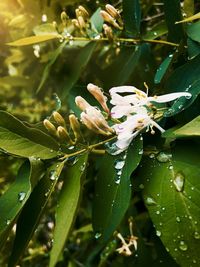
(179, 181)
(8, 222)
(71, 147)
(152, 156)
(141, 186)
(119, 173)
(119, 164)
(140, 152)
(157, 212)
(158, 233)
(150, 201)
(170, 167)
(183, 246)
(117, 180)
(52, 175)
(194, 261)
(82, 167)
(196, 235)
(98, 235)
(178, 219)
(21, 196)
(51, 150)
(163, 157)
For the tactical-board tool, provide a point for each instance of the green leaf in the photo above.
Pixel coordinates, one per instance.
(80, 62)
(193, 48)
(113, 190)
(132, 17)
(180, 82)
(162, 69)
(156, 31)
(45, 29)
(171, 193)
(18, 139)
(188, 7)
(172, 11)
(34, 39)
(193, 31)
(33, 211)
(14, 199)
(67, 207)
(190, 129)
(97, 21)
(196, 16)
(48, 66)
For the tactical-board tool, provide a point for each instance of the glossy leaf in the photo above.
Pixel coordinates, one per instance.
(193, 31)
(113, 190)
(83, 56)
(157, 31)
(193, 48)
(18, 139)
(68, 202)
(162, 69)
(132, 17)
(45, 29)
(97, 21)
(171, 193)
(34, 40)
(172, 11)
(14, 199)
(191, 129)
(33, 211)
(179, 82)
(48, 66)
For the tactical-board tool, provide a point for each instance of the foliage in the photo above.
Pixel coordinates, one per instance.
(75, 201)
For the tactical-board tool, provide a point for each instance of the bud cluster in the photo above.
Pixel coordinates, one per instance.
(60, 130)
(82, 16)
(111, 16)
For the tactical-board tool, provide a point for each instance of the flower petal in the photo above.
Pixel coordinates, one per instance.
(168, 97)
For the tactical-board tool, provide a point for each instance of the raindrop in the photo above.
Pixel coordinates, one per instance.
(82, 167)
(192, 188)
(71, 147)
(150, 201)
(52, 175)
(178, 219)
(179, 181)
(163, 157)
(117, 181)
(194, 261)
(157, 212)
(183, 246)
(158, 233)
(119, 164)
(141, 186)
(119, 173)
(196, 235)
(51, 150)
(21, 196)
(8, 222)
(98, 235)
(140, 152)
(170, 167)
(152, 156)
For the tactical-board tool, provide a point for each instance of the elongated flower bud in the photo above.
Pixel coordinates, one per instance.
(81, 103)
(49, 126)
(108, 32)
(107, 17)
(64, 18)
(63, 134)
(83, 11)
(81, 22)
(91, 125)
(98, 94)
(58, 118)
(75, 23)
(112, 11)
(75, 125)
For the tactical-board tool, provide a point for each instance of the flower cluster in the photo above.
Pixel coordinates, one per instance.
(130, 113)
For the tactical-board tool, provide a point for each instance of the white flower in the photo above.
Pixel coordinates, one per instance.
(125, 105)
(131, 127)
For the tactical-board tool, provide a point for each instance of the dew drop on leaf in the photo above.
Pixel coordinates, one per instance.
(163, 157)
(150, 201)
(119, 164)
(178, 219)
(179, 181)
(52, 175)
(183, 246)
(97, 235)
(7, 222)
(21, 196)
(158, 233)
(196, 235)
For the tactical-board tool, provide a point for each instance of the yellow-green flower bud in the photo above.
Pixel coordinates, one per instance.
(108, 18)
(112, 11)
(64, 17)
(81, 22)
(63, 134)
(75, 125)
(59, 118)
(83, 11)
(49, 126)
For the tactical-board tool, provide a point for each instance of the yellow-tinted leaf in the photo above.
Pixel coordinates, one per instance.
(196, 16)
(34, 40)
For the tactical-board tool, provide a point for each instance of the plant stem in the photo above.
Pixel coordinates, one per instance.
(129, 40)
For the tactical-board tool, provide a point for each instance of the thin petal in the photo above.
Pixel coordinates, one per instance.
(123, 89)
(168, 97)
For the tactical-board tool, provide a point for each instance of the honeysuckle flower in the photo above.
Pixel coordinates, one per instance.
(125, 105)
(131, 127)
